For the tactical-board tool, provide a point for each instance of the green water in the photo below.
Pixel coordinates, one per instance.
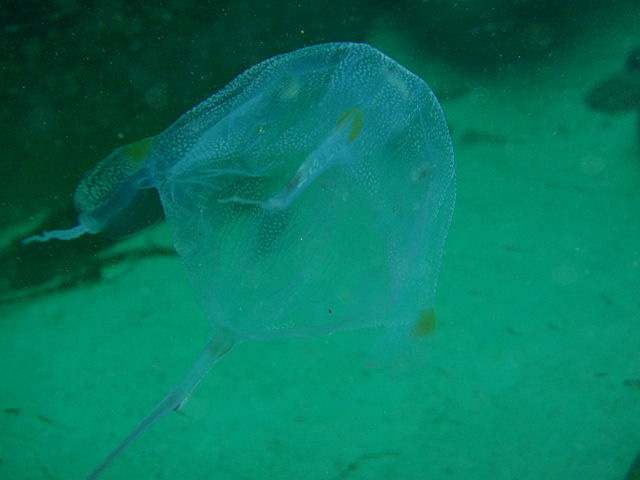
(533, 370)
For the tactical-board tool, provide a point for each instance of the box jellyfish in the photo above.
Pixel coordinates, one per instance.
(312, 194)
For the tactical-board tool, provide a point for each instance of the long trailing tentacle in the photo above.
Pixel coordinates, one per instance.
(214, 350)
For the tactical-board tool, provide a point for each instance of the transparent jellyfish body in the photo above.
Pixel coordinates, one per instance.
(312, 194)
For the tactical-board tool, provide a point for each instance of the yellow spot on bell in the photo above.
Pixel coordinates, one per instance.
(137, 152)
(356, 117)
(426, 323)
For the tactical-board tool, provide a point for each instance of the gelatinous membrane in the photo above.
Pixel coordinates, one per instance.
(106, 191)
(318, 180)
(312, 194)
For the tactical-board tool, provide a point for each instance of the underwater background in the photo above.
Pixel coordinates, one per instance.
(533, 368)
